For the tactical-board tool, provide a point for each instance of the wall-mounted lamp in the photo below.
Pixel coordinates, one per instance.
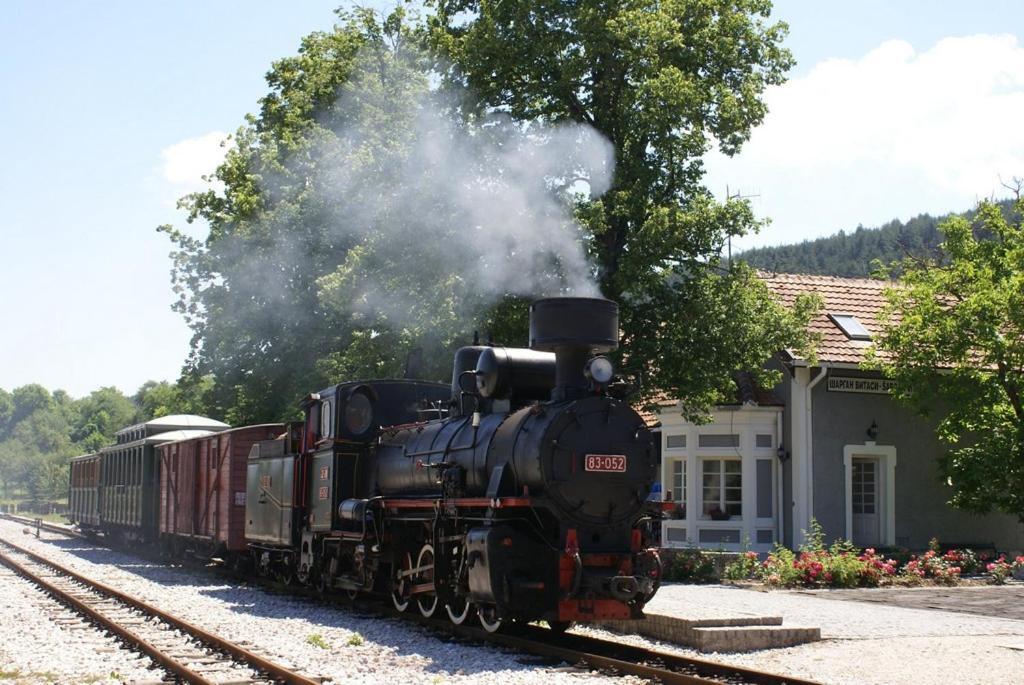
(872, 430)
(781, 453)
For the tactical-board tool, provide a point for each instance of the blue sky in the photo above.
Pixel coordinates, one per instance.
(110, 110)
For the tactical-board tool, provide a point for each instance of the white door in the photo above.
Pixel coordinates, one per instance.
(866, 502)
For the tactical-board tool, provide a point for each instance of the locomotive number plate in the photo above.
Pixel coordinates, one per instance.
(614, 463)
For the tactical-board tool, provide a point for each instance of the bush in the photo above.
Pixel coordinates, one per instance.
(690, 566)
(780, 568)
(1000, 570)
(744, 567)
(968, 560)
(934, 567)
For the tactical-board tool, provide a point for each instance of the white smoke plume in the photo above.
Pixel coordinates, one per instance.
(485, 210)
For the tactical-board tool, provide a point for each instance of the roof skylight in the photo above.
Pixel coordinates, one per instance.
(849, 325)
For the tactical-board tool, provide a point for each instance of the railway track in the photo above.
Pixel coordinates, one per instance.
(615, 657)
(572, 648)
(184, 650)
(39, 524)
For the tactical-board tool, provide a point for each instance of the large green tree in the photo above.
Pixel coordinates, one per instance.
(662, 81)
(277, 294)
(251, 289)
(953, 340)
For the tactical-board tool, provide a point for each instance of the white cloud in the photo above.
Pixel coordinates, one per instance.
(184, 163)
(893, 134)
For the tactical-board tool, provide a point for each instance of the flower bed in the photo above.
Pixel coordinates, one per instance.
(841, 565)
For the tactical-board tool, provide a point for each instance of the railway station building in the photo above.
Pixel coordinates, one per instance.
(828, 443)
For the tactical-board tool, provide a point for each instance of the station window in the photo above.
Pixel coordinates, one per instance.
(718, 440)
(675, 441)
(722, 487)
(677, 485)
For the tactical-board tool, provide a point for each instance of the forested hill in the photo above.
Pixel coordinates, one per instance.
(851, 254)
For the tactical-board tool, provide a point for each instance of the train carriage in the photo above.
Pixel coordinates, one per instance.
(126, 477)
(202, 489)
(83, 495)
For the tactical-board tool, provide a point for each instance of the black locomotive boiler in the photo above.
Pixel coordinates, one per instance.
(525, 501)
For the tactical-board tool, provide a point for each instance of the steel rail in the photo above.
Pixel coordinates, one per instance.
(574, 648)
(599, 661)
(255, 660)
(44, 525)
(637, 654)
(666, 667)
(169, 663)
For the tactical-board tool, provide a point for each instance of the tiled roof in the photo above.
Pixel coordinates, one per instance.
(861, 297)
(747, 392)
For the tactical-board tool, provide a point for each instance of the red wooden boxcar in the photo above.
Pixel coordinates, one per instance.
(202, 489)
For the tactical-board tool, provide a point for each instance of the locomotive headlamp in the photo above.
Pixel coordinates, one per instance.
(600, 370)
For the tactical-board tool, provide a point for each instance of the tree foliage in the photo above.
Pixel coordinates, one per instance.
(40, 431)
(853, 253)
(953, 340)
(277, 297)
(251, 290)
(660, 80)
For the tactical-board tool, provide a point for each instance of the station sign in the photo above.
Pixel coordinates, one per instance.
(875, 386)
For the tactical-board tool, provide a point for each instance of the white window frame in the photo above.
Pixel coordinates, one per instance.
(671, 462)
(722, 473)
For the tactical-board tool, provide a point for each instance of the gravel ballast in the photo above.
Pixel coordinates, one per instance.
(43, 641)
(319, 640)
(862, 642)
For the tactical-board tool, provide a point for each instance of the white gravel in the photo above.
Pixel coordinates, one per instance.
(41, 641)
(862, 643)
(278, 626)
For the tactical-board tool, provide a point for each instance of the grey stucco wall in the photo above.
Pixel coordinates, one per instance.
(841, 419)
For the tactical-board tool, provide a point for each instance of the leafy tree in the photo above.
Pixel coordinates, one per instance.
(270, 293)
(28, 399)
(953, 340)
(853, 254)
(658, 80)
(250, 291)
(6, 409)
(100, 415)
(155, 399)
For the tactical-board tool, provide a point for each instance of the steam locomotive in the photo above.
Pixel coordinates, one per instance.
(516, 493)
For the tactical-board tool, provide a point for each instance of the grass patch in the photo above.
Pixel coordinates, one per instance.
(355, 640)
(317, 640)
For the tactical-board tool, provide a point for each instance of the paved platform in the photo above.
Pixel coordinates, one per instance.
(984, 600)
(717, 631)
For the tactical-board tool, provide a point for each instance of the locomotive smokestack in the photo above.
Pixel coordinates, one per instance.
(574, 328)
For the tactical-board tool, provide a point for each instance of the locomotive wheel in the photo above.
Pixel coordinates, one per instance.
(489, 619)
(399, 585)
(458, 610)
(427, 602)
(320, 583)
